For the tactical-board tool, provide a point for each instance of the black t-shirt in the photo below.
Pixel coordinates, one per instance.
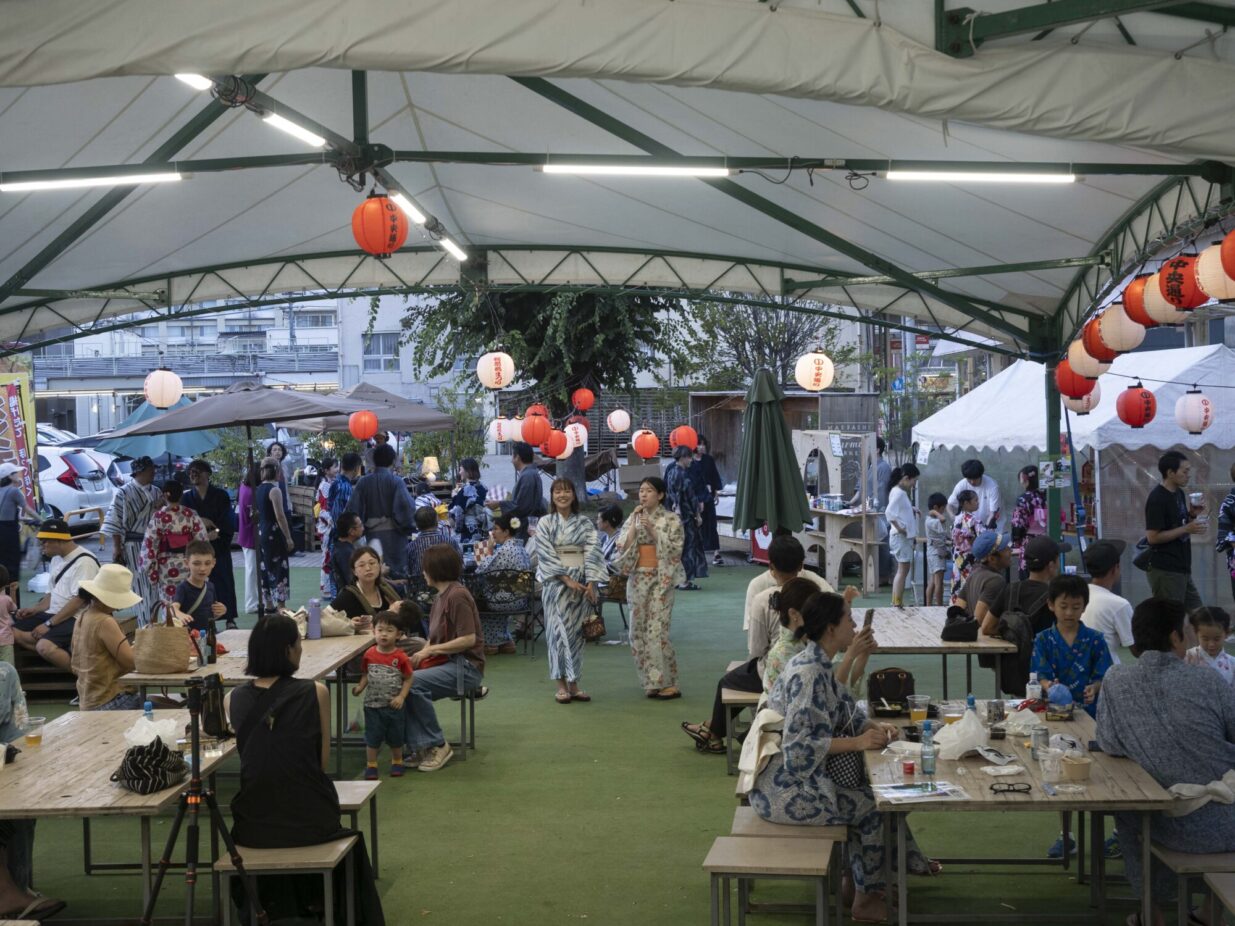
(1030, 598)
(1164, 511)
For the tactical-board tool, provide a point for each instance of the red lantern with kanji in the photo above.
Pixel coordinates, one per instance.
(583, 399)
(536, 429)
(554, 444)
(1177, 283)
(578, 419)
(1134, 303)
(1228, 254)
(379, 226)
(683, 436)
(646, 444)
(362, 425)
(1071, 383)
(1136, 406)
(1091, 337)
(536, 409)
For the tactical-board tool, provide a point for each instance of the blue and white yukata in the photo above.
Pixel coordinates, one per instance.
(794, 787)
(566, 610)
(1178, 723)
(1078, 665)
(509, 556)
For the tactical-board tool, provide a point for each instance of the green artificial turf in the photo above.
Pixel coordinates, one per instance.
(595, 813)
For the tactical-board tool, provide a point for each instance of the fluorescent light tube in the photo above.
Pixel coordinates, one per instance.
(411, 211)
(961, 176)
(23, 186)
(635, 170)
(453, 249)
(196, 81)
(286, 125)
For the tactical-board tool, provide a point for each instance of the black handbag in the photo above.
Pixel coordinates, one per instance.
(892, 685)
(1144, 555)
(959, 627)
(149, 768)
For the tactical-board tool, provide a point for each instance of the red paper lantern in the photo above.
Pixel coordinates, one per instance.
(1177, 283)
(536, 429)
(583, 399)
(1136, 406)
(646, 444)
(1071, 383)
(578, 419)
(1091, 337)
(554, 444)
(362, 425)
(537, 409)
(1134, 302)
(379, 226)
(1228, 254)
(683, 436)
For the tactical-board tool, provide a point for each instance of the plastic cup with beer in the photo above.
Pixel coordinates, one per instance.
(952, 712)
(917, 707)
(34, 731)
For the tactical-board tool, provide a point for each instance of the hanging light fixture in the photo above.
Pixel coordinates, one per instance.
(500, 430)
(1086, 403)
(576, 435)
(1227, 249)
(536, 429)
(1194, 411)
(1091, 337)
(1070, 383)
(1136, 406)
(814, 371)
(1134, 302)
(515, 426)
(1177, 280)
(379, 226)
(683, 436)
(1118, 331)
(646, 444)
(1211, 277)
(1156, 306)
(555, 443)
(583, 399)
(618, 420)
(362, 425)
(163, 388)
(1083, 363)
(495, 370)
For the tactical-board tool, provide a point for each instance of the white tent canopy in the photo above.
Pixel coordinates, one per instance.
(1008, 411)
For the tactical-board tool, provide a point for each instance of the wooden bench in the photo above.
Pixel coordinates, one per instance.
(353, 795)
(747, 823)
(734, 703)
(745, 858)
(1223, 886)
(1189, 867)
(321, 859)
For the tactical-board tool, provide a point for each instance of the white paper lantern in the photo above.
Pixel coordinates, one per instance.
(1194, 411)
(576, 435)
(163, 388)
(1157, 308)
(499, 430)
(1083, 363)
(1210, 276)
(568, 452)
(814, 371)
(1118, 331)
(515, 427)
(495, 370)
(618, 421)
(1086, 403)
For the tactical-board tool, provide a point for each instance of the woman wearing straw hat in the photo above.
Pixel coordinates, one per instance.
(101, 652)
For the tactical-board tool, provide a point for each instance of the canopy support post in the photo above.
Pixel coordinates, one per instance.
(1053, 450)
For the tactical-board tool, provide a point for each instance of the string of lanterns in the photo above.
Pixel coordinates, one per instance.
(1167, 297)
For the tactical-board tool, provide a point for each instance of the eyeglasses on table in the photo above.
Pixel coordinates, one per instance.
(1010, 787)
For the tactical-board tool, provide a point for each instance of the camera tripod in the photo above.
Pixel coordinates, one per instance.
(191, 805)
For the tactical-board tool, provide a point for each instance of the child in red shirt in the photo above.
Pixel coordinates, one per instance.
(386, 681)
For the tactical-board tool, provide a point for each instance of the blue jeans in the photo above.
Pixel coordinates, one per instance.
(429, 685)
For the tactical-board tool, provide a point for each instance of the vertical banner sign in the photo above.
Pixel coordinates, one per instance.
(13, 445)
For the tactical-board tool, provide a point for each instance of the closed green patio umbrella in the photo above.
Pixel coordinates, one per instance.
(770, 484)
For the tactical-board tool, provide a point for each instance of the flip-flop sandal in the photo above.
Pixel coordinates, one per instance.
(712, 747)
(699, 735)
(562, 700)
(580, 696)
(661, 696)
(41, 907)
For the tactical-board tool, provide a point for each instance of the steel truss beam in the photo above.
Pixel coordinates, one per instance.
(425, 270)
(989, 270)
(1173, 214)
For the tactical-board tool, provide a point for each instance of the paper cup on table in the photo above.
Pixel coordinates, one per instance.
(1076, 768)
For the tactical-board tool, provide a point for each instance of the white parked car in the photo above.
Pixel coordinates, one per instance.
(50, 434)
(72, 479)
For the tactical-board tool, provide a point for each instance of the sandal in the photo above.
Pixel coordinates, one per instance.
(699, 733)
(933, 867)
(41, 907)
(668, 694)
(652, 693)
(712, 747)
(562, 697)
(580, 696)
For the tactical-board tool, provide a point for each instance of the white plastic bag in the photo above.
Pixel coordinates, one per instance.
(957, 739)
(144, 731)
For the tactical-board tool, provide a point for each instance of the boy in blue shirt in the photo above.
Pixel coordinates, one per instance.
(1070, 653)
(195, 601)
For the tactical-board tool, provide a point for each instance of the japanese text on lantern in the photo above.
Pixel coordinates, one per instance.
(816, 374)
(1174, 284)
(498, 379)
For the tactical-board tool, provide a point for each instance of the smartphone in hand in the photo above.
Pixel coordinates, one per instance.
(869, 619)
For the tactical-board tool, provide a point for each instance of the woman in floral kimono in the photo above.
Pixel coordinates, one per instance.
(1028, 517)
(651, 554)
(507, 555)
(172, 528)
(801, 784)
(569, 564)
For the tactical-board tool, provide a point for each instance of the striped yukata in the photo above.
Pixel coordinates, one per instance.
(566, 610)
(128, 517)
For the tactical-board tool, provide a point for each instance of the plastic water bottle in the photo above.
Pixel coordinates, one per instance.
(148, 707)
(315, 619)
(971, 703)
(928, 750)
(1033, 690)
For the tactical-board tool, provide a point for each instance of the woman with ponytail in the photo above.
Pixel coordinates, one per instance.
(902, 526)
(822, 722)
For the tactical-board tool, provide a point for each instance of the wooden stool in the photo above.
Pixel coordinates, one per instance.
(321, 859)
(1223, 887)
(748, 823)
(744, 858)
(734, 703)
(353, 795)
(1188, 866)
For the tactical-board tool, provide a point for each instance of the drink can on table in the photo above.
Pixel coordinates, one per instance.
(1039, 738)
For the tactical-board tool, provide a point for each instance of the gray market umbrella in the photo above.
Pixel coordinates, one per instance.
(394, 412)
(178, 444)
(244, 403)
(770, 484)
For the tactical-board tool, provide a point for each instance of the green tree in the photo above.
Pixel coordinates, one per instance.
(230, 459)
(559, 341)
(466, 440)
(331, 444)
(731, 341)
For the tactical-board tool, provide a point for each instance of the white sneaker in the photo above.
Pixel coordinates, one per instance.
(435, 757)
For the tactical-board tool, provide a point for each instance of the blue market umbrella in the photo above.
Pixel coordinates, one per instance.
(177, 444)
(770, 484)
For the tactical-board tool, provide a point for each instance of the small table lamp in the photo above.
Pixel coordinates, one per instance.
(429, 468)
